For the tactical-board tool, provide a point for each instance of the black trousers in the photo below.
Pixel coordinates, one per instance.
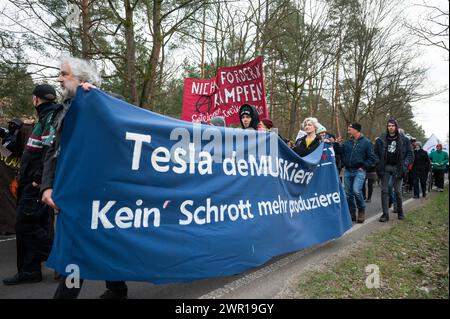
(63, 292)
(369, 189)
(420, 178)
(32, 230)
(439, 178)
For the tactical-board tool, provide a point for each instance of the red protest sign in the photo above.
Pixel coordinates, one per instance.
(223, 96)
(199, 100)
(238, 85)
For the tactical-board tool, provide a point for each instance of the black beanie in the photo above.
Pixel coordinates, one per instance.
(45, 91)
(245, 109)
(356, 126)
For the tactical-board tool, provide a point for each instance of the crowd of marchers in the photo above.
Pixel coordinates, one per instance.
(393, 160)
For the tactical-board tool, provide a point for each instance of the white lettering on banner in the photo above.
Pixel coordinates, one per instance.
(139, 139)
(202, 214)
(280, 206)
(205, 117)
(277, 207)
(324, 200)
(203, 88)
(251, 93)
(161, 155)
(248, 158)
(241, 75)
(210, 213)
(284, 170)
(124, 217)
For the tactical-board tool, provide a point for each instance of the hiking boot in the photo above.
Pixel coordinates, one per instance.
(114, 294)
(361, 216)
(384, 218)
(401, 216)
(353, 215)
(23, 278)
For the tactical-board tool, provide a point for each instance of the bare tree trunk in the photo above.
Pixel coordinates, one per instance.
(310, 95)
(86, 22)
(131, 52)
(294, 109)
(272, 88)
(147, 94)
(337, 101)
(203, 44)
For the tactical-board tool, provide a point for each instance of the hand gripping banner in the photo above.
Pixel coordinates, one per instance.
(145, 197)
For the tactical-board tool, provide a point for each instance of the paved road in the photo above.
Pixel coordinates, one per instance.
(209, 288)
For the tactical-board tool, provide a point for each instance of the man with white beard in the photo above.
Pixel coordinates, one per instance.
(74, 72)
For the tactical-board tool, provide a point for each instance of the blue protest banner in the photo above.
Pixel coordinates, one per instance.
(146, 197)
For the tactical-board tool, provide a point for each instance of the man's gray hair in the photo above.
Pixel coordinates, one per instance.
(313, 121)
(83, 70)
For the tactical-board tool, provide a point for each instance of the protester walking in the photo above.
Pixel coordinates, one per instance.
(439, 160)
(420, 169)
(357, 155)
(395, 154)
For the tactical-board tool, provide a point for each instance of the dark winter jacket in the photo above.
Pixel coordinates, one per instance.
(422, 162)
(357, 154)
(51, 155)
(31, 163)
(405, 154)
(300, 146)
(11, 140)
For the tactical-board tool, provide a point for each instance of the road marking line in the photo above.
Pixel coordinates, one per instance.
(236, 284)
(7, 239)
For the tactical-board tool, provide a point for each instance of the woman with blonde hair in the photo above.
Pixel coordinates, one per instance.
(308, 143)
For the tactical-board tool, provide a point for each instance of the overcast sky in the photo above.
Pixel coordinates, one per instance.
(432, 113)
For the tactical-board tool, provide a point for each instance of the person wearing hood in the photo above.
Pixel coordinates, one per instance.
(420, 168)
(249, 117)
(33, 218)
(439, 159)
(395, 154)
